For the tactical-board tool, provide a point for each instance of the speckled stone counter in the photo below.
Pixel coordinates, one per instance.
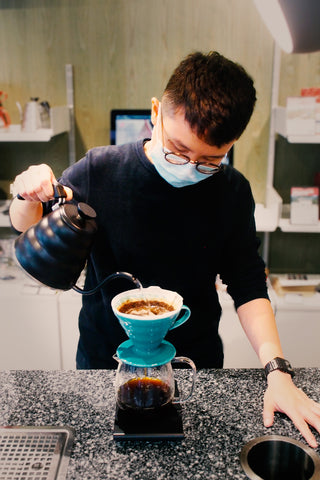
(224, 414)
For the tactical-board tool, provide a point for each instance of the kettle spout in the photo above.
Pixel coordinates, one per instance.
(113, 276)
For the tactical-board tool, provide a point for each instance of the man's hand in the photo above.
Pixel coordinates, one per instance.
(35, 184)
(283, 396)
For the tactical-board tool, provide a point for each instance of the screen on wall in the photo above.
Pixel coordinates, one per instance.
(129, 125)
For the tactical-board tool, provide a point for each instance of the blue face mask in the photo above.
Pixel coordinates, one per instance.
(177, 175)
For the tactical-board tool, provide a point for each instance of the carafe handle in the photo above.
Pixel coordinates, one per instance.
(189, 362)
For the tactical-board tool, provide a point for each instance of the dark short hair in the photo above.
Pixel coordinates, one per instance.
(217, 95)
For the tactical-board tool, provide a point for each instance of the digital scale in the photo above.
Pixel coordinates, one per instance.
(165, 424)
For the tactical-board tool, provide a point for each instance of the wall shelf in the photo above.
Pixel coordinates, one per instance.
(286, 226)
(267, 216)
(60, 123)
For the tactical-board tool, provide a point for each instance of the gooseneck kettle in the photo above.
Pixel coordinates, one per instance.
(55, 250)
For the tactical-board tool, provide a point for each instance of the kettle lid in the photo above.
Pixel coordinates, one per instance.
(79, 217)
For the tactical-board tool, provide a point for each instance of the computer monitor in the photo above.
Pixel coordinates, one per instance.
(129, 125)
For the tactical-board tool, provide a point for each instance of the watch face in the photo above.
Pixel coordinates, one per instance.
(286, 365)
(283, 363)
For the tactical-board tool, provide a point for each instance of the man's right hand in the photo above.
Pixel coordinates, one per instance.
(34, 185)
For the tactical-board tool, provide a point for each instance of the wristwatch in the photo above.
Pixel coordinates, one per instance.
(278, 364)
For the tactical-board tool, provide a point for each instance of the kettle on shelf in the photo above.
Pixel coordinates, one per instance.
(34, 115)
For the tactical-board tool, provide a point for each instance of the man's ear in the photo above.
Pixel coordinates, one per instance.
(155, 104)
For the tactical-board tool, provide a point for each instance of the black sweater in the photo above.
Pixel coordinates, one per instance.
(176, 238)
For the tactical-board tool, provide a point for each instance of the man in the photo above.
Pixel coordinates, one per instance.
(172, 215)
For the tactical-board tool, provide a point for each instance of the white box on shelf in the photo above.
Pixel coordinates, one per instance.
(300, 115)
(314, 92)
(304, 205)
(280, 114)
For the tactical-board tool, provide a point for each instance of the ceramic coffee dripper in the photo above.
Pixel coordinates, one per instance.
(147, 333)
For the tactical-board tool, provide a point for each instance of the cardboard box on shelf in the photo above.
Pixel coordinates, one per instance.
(283, 290)
(304, 205)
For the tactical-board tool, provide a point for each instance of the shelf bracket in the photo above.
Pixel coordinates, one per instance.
(70, 104)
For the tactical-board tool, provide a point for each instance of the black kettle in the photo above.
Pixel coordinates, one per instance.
(55, 250)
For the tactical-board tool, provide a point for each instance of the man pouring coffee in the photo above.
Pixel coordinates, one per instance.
(169, 212)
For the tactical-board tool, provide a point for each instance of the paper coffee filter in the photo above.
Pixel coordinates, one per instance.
(168, 296)
(153, 292)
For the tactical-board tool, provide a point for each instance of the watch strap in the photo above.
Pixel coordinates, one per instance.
(278, 363)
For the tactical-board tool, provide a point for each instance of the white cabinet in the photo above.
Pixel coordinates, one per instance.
(38, 325)
(29, 329)
(4, 213)
(298, 324)
(69, 304)
(238, 352)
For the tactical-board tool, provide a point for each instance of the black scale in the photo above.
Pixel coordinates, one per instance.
(162, 424)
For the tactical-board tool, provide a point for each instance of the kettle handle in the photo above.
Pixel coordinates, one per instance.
(59, 192)
(59, 195)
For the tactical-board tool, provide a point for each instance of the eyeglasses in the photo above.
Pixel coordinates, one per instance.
(176, 158)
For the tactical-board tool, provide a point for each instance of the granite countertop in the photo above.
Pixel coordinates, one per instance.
(224, 414)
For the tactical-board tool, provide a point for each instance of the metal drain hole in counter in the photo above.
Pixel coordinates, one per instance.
(274, 457)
